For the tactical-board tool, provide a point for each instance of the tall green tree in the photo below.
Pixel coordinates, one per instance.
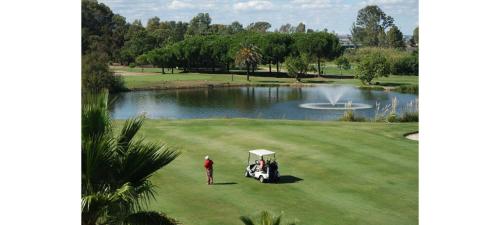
(301, 28)
(342, 63)
(235, 27)
(199, 25)
(248, 56)
(163, 58)
(139, 41)
(371, 66)
(297, 67)
(103, 31)
(394, 38)
(260, 26)
(370, 23)
(117, 167)
(141, 61)
(286, 28)
(276, 46)
(414, 38)
(221, 50)
(96, 75)
(190, 52)
(153, 24)
(318, 46)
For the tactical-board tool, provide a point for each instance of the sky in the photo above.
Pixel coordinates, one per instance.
(335, 15)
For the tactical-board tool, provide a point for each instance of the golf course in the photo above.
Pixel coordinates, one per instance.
(171, 109)
(331, 172)
(151, 79)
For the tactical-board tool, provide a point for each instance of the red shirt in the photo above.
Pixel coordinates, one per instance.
(208, 164)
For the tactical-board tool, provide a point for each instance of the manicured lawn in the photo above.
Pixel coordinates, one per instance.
(334, 172)
(332, 69)
(158, 80)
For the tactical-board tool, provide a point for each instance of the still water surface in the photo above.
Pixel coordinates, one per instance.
(249, 102)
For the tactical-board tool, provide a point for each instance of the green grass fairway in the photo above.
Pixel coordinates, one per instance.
(334, 172)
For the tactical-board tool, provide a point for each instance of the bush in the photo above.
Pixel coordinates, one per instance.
(409, 117)
(393, 116)
(349, 115)
(132, 65)
(297, 67)
(371, 66)
(401, 62)
(96, 75)
(388, 113)
(407, 65)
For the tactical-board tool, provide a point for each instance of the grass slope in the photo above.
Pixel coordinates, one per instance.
(334, 172)
(153, 79)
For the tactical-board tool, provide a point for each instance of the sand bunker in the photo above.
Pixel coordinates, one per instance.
(413, 136)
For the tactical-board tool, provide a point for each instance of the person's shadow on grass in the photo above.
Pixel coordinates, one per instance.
(288, 179)
(224, 183)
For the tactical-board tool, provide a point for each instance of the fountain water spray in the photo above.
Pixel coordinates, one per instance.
(334, 95)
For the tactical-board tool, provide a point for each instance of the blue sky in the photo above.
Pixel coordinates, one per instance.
(335, 15)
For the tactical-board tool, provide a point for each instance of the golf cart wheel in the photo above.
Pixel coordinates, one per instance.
(262, 180)
(247, 174)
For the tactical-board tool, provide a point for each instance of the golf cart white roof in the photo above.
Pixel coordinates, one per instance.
(261, 152)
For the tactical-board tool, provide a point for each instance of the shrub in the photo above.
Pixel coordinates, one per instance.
(393, 116)
(409, 117)
(410, 112)
(297, 67)
(96, 75)
(407, 65)
(400, 62)
(132, 65)
(342, 63)
(349, 114)
(372, 66)
(389, 113)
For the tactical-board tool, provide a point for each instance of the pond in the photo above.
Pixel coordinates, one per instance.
(296, 103)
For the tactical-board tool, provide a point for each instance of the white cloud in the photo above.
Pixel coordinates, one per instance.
(176, 4)
(312, 4)
(257, 5)
(387, 2)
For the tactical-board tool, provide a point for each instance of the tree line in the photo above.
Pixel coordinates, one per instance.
(202, 46)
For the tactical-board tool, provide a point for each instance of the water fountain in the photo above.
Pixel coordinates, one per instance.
(333, 96)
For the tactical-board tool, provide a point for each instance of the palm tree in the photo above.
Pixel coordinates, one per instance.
(116, 168)
(248, 56)
(265, 219)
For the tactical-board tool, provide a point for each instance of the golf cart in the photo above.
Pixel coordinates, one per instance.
(269, 173)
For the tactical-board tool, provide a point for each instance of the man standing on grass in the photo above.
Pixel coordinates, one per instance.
(210, 170)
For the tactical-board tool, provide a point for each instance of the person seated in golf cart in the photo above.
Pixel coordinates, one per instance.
(262, 164)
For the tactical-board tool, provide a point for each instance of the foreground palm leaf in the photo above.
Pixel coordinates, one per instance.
(266, 218)
(116, 170)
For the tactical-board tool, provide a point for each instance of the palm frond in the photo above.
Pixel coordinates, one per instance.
(93, 202)
(277, 220)
(97, 162)
(115, 170)
(266, 218)
(143, 159)
(246, 220)
(129, 130)
(95, 116)
(149, 218)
